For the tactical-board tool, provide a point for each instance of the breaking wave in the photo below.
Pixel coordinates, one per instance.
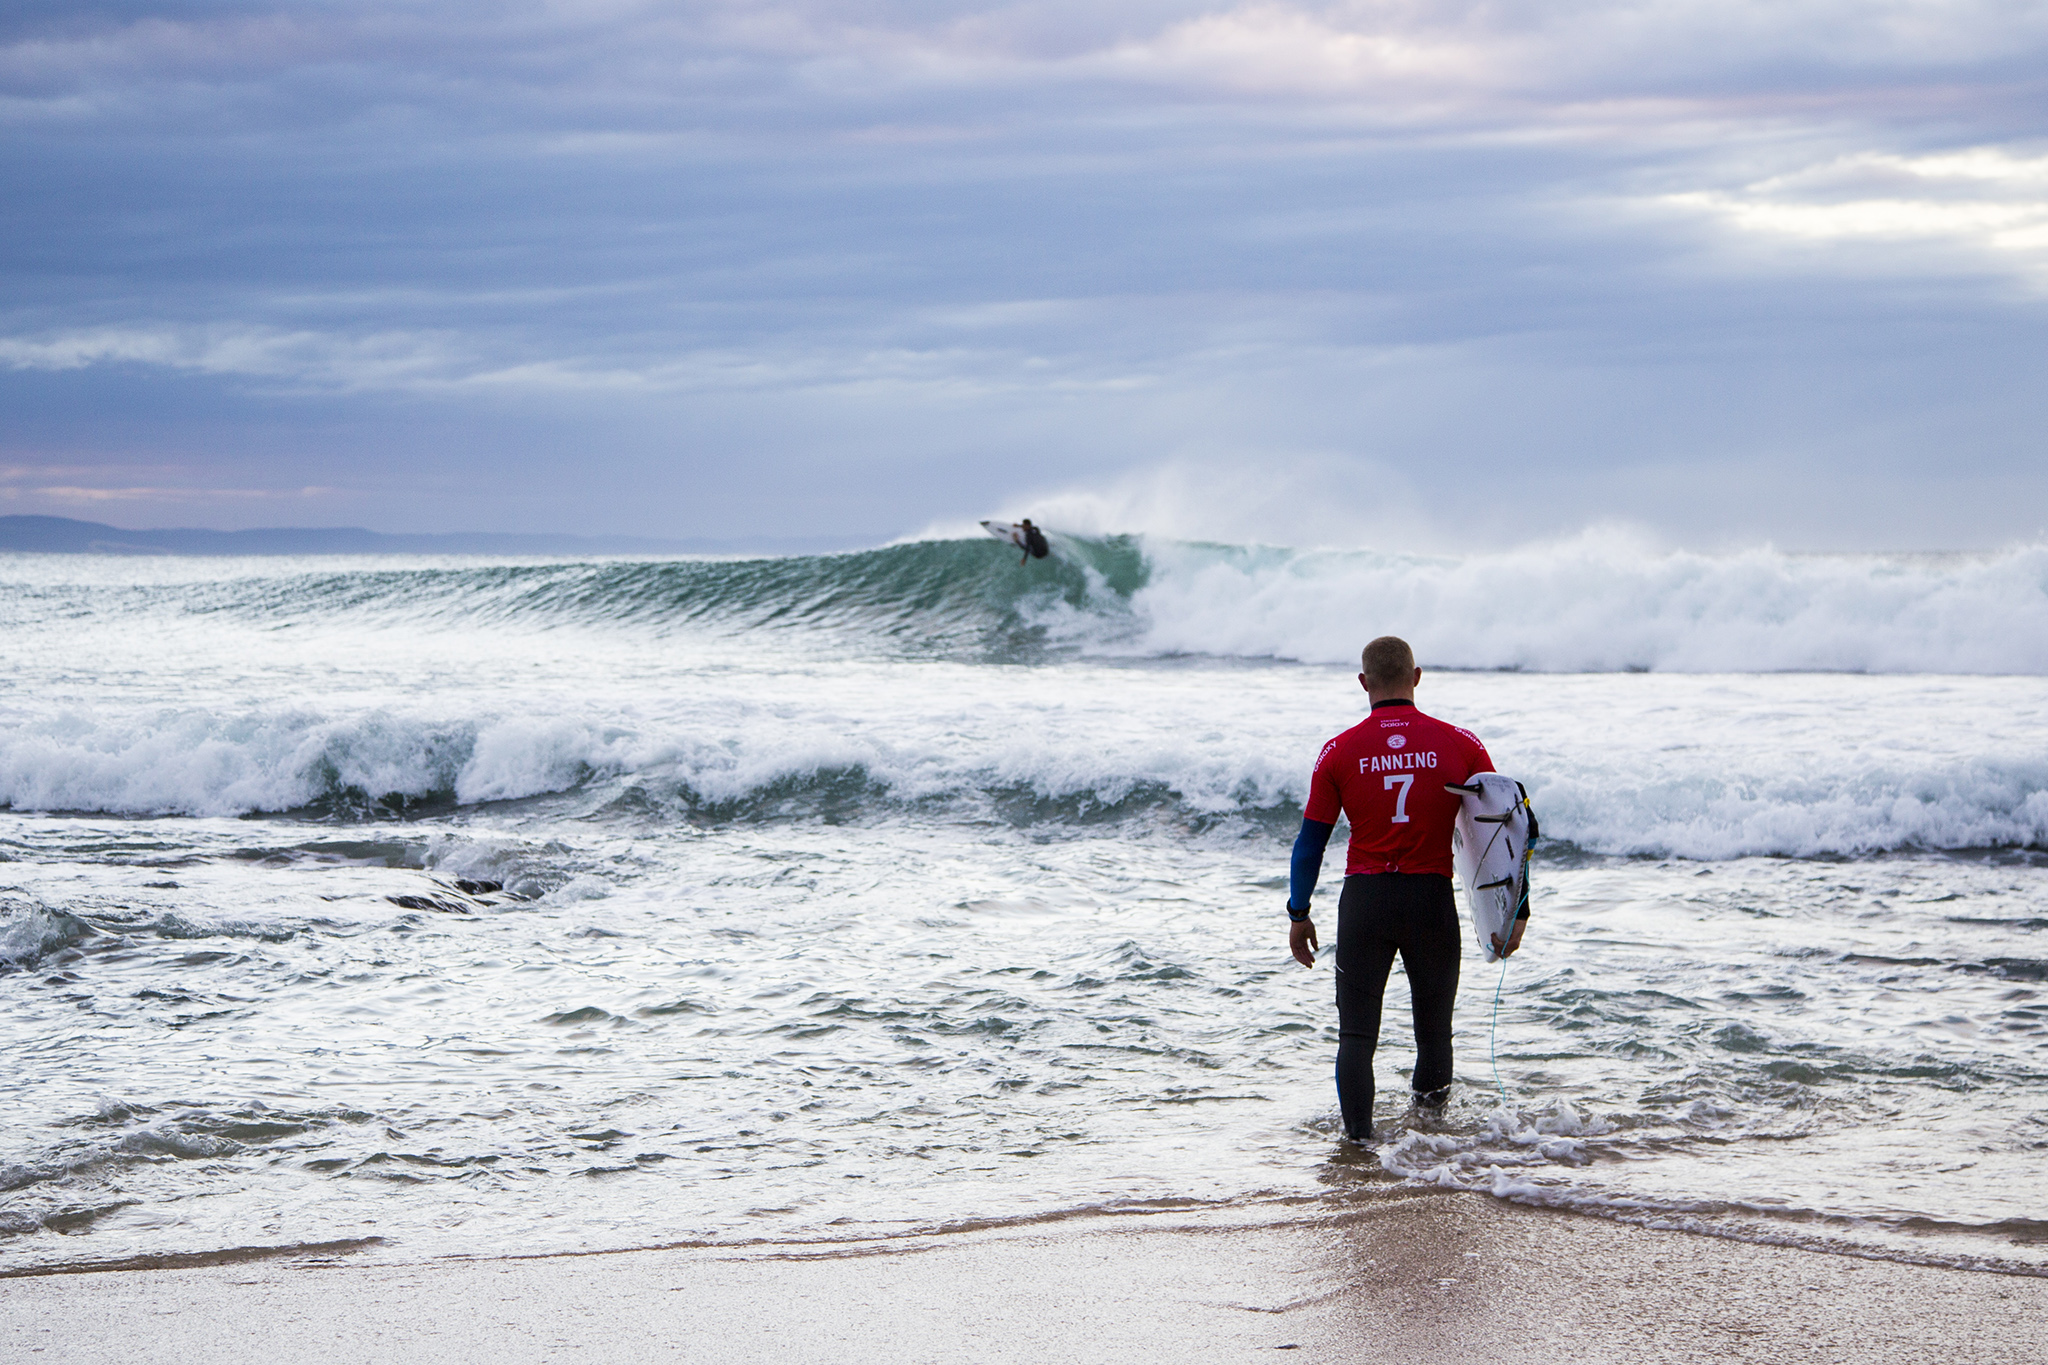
(762, 767)
(1603, 603)
(1598, 603)
(1675, 777)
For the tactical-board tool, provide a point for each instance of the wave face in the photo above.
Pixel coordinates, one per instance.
(959, 599)
(1600, 603)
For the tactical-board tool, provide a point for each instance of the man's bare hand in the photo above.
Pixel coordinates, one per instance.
(1514, 940)
(1301, 941)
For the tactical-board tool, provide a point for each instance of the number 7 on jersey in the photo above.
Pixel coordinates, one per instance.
(1404, 781)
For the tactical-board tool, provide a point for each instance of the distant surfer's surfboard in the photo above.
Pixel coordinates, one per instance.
(1490, 845)
(1005, 530)
(1015, 534)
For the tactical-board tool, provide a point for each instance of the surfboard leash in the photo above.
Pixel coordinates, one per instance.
(1493, 1035)
(1521, 908)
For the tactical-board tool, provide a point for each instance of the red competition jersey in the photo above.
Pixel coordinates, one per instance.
(1387, 774)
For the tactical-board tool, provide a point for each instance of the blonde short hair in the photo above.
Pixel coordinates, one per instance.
(1387, 662)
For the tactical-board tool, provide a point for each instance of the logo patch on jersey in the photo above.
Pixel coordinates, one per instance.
(1396, 741)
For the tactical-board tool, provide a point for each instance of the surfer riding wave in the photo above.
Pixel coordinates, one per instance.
(1026, 537)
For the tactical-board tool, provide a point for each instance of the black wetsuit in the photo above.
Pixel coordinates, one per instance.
(1379, 915)
(1034, 543)
(1397, 899)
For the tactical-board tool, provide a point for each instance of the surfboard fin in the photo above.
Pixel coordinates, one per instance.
(1473, 789)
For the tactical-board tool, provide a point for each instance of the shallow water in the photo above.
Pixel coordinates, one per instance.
(341, 903)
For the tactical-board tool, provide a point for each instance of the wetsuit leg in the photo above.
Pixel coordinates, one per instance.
(1430, 951)
(1378, 916)
(1365, 954)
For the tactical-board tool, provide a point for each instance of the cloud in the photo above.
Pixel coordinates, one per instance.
(1986, 202)
(85, 496)
(51, 485)
(1285, 51)
(635, 65)
(316, 359)
(446, 364)
(925, 255)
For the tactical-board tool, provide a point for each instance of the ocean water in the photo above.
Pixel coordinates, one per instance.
(469, 907)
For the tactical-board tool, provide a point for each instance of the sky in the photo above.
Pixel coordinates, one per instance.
(1398, 273)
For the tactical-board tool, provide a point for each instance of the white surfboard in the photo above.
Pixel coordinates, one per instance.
(1005, 530)
(1490, 845)
(1014, 533)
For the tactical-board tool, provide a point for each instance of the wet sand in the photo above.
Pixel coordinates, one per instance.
(1411, 1278)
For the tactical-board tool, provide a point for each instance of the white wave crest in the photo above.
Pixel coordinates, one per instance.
(1652, 771)
(1855, 809)
(1601, 602)
(196, 762)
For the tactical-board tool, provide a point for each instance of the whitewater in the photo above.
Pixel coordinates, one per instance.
(460, 906)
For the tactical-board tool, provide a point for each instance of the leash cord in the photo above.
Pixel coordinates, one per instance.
(1493, 1034)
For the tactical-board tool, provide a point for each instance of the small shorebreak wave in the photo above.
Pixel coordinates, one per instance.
(1533, 1157)
(384, 766)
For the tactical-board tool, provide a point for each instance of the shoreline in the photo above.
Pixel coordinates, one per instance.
(1421, 1276)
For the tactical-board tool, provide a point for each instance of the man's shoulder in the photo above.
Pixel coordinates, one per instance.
(1338, 741)
(1457, 730)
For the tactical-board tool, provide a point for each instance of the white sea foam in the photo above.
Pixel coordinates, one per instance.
(1554, 1136)
(195, 762)
(1979, 804)
(1694, 767)
(1603, 601)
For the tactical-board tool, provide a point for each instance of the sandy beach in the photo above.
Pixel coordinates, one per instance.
(1412, 1277)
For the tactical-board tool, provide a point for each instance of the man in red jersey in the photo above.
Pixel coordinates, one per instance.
(1387, 774)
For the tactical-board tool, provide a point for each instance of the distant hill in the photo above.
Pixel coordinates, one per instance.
(62, 535)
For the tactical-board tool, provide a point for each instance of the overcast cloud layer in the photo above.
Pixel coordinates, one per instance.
(1390, 273)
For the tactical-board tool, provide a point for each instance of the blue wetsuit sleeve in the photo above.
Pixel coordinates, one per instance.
(1308, 863)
